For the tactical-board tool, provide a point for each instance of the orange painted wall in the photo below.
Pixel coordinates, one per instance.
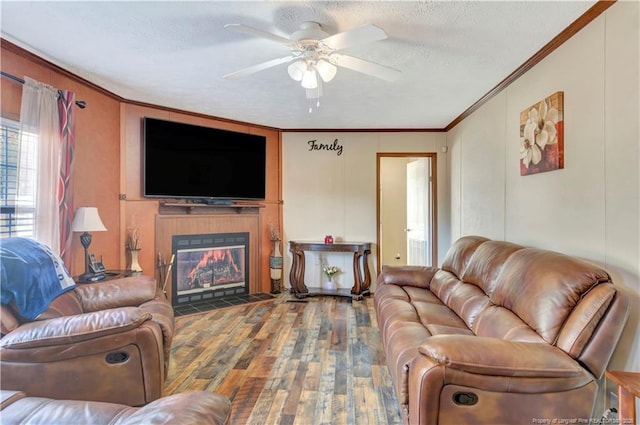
(140, 212)
(97, 149)
(108, 163)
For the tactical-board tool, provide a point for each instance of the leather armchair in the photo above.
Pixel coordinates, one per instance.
(193, 408)
(108, 341)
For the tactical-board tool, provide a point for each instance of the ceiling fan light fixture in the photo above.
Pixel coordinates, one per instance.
(297, 69)
(310, 79)
(326, 70)
(314, 57)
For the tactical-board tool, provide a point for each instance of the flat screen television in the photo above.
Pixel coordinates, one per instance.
(184, 161)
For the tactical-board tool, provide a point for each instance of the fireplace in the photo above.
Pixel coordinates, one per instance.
(209, 267)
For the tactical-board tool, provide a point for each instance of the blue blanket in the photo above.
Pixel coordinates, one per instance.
(31, 276)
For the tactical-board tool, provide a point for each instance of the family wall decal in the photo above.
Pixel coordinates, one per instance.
(335, 146)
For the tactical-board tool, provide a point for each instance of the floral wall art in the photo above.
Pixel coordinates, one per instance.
(542, 136)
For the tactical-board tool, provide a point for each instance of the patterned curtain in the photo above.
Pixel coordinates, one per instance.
(66, 110)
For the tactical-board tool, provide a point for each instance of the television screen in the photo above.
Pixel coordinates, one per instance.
(189, 161)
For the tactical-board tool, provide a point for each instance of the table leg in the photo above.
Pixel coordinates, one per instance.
(367, 274)
(361, 279)
(296, 277)
(626, 406)
(357, 280)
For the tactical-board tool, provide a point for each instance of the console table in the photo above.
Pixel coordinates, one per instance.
(361, 275)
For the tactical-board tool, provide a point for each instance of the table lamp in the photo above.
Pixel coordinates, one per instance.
(87, 220)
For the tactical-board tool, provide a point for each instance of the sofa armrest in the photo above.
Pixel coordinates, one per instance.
(497, 357)
(124, 292)
(73, 329)
(191, 408)
(418, 276)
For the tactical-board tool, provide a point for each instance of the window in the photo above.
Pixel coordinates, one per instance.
(17, 199)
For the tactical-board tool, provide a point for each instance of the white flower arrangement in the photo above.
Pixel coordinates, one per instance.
(330, 270)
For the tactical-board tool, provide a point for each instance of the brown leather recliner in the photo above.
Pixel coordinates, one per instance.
(108, 341)
(499, 334)
(192, 408)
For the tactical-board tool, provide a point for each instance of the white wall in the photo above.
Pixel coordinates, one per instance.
(589, 209)
(325, 193)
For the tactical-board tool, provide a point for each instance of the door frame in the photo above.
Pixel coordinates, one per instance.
(434, 201)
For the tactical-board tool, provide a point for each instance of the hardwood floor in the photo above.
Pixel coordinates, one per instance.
(313, 362)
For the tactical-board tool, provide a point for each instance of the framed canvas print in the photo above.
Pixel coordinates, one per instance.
(542, 136)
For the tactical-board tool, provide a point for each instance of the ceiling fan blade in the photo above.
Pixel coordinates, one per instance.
(366, 67)
(257, 68)
(254, 31)
(359, 35)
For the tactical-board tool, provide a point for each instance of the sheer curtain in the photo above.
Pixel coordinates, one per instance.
(40, 140)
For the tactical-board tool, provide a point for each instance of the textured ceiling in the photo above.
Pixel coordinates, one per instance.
(175, 54)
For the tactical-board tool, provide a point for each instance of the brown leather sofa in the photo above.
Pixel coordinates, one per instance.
(108, 341)
(500, 334)
(194, 408)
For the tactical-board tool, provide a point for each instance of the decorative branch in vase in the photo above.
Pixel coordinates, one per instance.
(274, 232)
(133, 239)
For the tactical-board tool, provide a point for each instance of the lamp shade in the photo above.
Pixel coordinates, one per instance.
(296, 70)
(326, 70)
(87, 219)
(310, 79)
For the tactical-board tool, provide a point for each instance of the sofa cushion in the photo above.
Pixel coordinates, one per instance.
(460, 253)
(417, 276)
(543, 287)
(465, 300)
(66, 304)
(487, 263)
(498, 322)
(127, 291)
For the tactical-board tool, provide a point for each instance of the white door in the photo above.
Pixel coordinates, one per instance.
(405, 209)
(418, 229)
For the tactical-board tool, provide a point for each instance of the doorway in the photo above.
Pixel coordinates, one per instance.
(406, 205)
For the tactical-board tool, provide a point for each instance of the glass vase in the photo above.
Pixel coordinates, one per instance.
(329, 285)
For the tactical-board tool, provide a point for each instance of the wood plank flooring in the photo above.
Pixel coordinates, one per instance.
(313, 362)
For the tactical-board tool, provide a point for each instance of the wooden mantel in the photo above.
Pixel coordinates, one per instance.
(195, 208)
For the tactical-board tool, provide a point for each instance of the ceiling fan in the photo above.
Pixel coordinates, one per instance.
(313, 54)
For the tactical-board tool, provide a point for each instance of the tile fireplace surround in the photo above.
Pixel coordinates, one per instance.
(225, 302)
